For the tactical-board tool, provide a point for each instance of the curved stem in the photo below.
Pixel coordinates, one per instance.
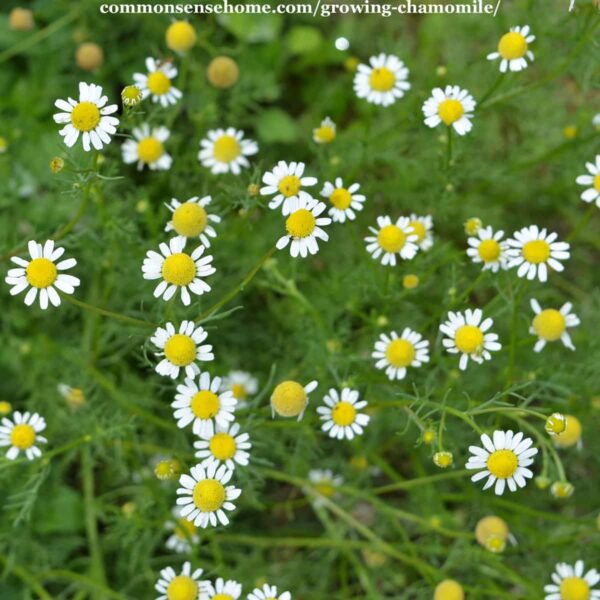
(108, 313)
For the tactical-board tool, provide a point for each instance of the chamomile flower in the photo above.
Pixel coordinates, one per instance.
(147, 148)
(503, 460)
(191, 220)
(286, 181)
(221, 590)
(551, 324)
(290, 399)
(22, 435)
(395, 353)
(571, 582)
(448, 589)
(202, 404)
(225, 151)
(325, 483)
(42, 274)
(488, 248)
(181, 349)
(205, 495)
(156, 83)
(341, 415)
(304, 227)
(492, 533)
(452, 106)
(185, 534)
(513, 48)
(241, 384)
(422, 227)
(591, 181)
(185, 586)
(268, 592)
(571, 435)
(391, 239)
(74, 397)
(178, 270)
(345, 201)
(89, 117)
(325, 133)
(382, 81)
(225, 445)
(469, 335)
(534, 251)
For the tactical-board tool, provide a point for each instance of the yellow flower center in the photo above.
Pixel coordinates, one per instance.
(180, 36)
(222, 446)
(189, 219)
(410, 281)
(574, 588)
(391, 238)
(536, 251)
(150, 149)
(550, 324)
(239, 391)
(5, 407)
(180, 350)
(343, 414)
(226, 149)
(512, 45)
(75, 397)
(472, 226)
(450, 111)
(325, 134)
(300, 223)
(85, 116)
(158, 83)
(222, 597)
(491, 527)
(382, 79)
(131, 94)
(164, 470)
(495, 544)
(182, 587)
(419, 230)
(469, 339)
(571, 434)
(209, 495)
(205, 404)
(597, 182)
(489, 250)
(184, 528)
(449, 590)
(41, 272)
(502, 463)
(22, 436)
(325, 488)
(289, 399)
(341, 198)
(400, 353)
(179, 269)
(290, 185)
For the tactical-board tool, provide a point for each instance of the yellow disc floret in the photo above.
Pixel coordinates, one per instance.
(469, 339)
(150, 149)
(410, 281)
(343, 414)
(382, 79)
(341, 198)
(512, 45)
(179, 269)
(391, 238)
(182, 587)
(22, 436)
(222, 446)
(324, 134)
(226, 149)
(571, 434)
(180, 350)
(443, 459)
(400, 353)
(502, 463)
(41, 272)
(180, 36)
(574, 588)
(597, 182)
(89, 56)
(550, 324)
(325, 488)
(289, 399)
(536, 251)
(189, 219)
(131, 95)
(489, 250)
(209, 495)
(223, 72)
(158, 83)
(448, 590)
(239, 391)
(450, 110)
(492, 532)
(222, 597)
(472, 225)
(301, 223)
(205, 404)
(290, 185)
(5, 407)
(418, 229)
(85, 116)
(184, 528)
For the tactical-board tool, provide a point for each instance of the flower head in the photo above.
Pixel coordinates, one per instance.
(571, 435)
(241, 384)
(382, 81)
(443, 460)
(22, 435)
(591, 181)
(185, 586)
(488, 248)
(225, 445)
(156, 83)
(147, 148)
(325, 133)
(556, 423)
(223, 72)
(191, 220)
(571, 582)
(422, 227)
(492, 533)
(74, 396)
(391, 239)
(131, 95)
(325, 483)
(562, 490)
(225, 151)
(268, 592)
(341, 415)
(185, 534)
(286, 181)
(448, 590)
(551, 324)
(513, 49)
(345, 201)
(290, 399)
(451, 106)
(395, 353)
(472, 225)
(221, 590)
(180, 36)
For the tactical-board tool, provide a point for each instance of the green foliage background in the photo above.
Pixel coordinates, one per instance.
(63, 530)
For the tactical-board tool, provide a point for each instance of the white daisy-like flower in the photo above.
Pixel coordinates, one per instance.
(202, 404)
(513, 48)
(591, 181)
(468, 334)
(147, 148)
(488, 248)
(391, 239)
(286, 181)
(75, 397)
(225, 151)
(89, 117)
(325, 482)
(382, 81)
(268, 592)
(185, 586)
(340, 414)
(22, 435)
(181, 349)
(551, 324)
(571, 582)
(503, 460)
(205, 495)
(325, 133)
(221, 590)
(241, 384)
(345, 201)
(422, 227)
(534, 251)
(304, 227)
(190, 219)
(452, 106)
(225, 445)
(178, 270)
(157, 82)
(42, 274)
(185, 535)
(395, 353)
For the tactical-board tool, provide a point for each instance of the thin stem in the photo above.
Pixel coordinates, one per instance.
(25, 576)
(108, 313)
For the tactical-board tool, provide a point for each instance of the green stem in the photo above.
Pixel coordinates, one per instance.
(26, 577)
(108, 313)
(491, 90)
